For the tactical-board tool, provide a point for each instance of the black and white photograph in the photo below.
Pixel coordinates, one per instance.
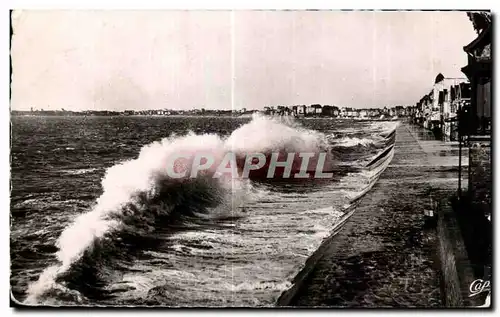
(251, 158)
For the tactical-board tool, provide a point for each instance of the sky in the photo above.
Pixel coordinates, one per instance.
(118, 60)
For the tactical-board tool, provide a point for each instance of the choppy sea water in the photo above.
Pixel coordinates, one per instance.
(94, 220)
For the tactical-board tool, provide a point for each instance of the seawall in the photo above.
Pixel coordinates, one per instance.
(387, 254)
(377, 165)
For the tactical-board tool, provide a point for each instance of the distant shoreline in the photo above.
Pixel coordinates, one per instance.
(132, 115)
(244, 116)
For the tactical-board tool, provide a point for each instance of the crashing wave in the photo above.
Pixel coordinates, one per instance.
(139, 198)
(350, 142)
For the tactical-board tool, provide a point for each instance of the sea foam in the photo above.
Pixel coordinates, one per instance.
(137, 192)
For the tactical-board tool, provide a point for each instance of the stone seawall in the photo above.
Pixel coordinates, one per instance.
(450, 240)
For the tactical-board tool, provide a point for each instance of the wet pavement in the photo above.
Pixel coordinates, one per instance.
(386, 254)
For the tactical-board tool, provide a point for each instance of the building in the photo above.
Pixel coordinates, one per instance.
(352, 113)
(329, 111)
(283, 111)
(479, 72)
(474, 127)
(373, 113)
(400, 111)
(269, 110)
(458, 97)
(301, 110)
(343, 112)
(437, 109)
(474, 120)
(314, 110)
(442, 102)
(438, 105)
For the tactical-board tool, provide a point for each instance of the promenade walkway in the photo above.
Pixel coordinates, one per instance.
(386, 255)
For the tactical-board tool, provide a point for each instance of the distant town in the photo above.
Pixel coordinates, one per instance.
(313, 110)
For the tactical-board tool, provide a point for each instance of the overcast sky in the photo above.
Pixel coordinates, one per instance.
(120, 60)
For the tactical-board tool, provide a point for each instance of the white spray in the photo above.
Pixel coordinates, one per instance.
(146, 175)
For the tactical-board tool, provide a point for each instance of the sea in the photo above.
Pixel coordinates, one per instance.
(95, 220)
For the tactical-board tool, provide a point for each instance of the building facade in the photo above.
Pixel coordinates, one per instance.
(475, 119)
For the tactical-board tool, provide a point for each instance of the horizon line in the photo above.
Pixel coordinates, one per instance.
(208, 110)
